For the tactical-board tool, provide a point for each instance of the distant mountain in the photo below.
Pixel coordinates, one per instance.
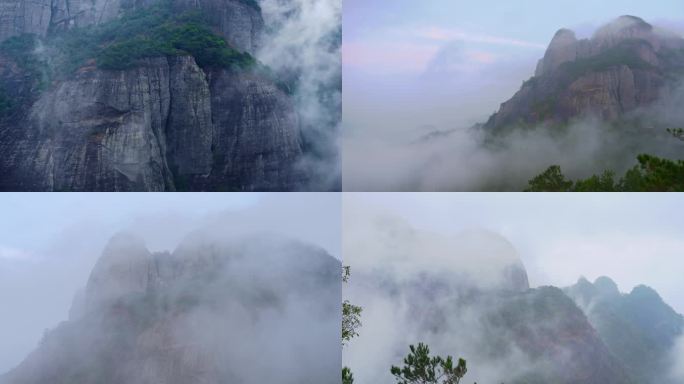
(625, 65)
(213, 311)
(555, 335)
(639, 328)
(587, 333)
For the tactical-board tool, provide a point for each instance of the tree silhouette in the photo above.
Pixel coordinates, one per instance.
(420, 368)
(351, 321)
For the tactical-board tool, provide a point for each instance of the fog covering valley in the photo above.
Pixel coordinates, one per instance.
(467, 105)
(237, 298)
(466, 293)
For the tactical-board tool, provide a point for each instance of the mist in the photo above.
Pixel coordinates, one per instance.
(416, 287)
(467, 159)
(303, 45)
(677, 371)
(256, 304)
(436, 268)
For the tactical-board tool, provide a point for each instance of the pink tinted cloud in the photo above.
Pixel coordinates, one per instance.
(447, 34)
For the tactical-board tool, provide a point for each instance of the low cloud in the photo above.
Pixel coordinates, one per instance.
(459, 158)
(304, 45)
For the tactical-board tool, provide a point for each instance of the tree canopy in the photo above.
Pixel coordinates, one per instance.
(651, 174)
(420, 368)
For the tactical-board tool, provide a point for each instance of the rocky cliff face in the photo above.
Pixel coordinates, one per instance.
(212, 311)
(625, 65)
(165, 124)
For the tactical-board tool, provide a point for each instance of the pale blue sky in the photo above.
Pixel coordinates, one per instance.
(531, 20)
(49, 242)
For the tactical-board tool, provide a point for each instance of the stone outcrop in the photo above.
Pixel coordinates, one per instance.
(239, 22)
(623, 66)
(22, 16)
(160, 126)
(256, 137)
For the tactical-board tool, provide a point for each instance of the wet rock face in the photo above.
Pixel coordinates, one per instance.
(255, 115)
(624, 66)
(21, 16)
(101, 130)
(189, 126)
(158, 127)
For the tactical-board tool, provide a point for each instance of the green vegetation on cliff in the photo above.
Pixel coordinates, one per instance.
(155, 31)
(151, 32)
(22, 50)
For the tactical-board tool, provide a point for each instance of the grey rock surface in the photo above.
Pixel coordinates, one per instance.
(240, 23)
(158, 127)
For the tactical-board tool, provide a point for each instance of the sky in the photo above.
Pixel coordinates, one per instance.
(50, 242)
(632, 238)
(416, 67)
(459, 48)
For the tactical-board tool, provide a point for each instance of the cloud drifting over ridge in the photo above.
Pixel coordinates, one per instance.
(69, 231)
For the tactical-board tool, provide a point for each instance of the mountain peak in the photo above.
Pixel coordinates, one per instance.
(121, 269)
(606, 285)
(624, 27)
(629, 21)
(645, 292)
(561, 49)
(564, 34)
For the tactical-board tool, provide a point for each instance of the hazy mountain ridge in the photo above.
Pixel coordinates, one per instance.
(625, 65)
(212, 311)
(538, 335)
(639, 328)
